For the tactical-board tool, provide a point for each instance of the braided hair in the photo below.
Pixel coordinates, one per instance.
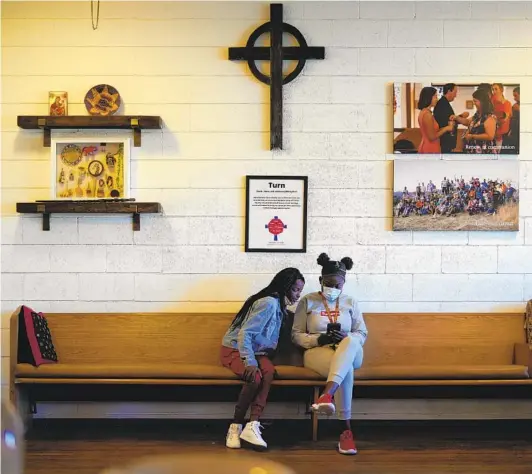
(278, 288)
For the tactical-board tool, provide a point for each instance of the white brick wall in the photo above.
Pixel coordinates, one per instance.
(216, 131)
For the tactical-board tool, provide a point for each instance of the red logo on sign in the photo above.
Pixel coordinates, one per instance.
(276, 226)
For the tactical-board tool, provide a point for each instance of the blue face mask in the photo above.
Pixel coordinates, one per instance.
(331, 294)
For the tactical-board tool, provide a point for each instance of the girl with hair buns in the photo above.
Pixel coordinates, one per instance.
(247, 347)
(330, 328)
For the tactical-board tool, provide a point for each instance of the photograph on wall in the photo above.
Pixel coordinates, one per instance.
(456, 195)
(58, 103)
(276, 213)
(469, 119)
(90, 169)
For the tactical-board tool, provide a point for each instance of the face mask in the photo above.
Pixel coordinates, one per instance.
(331, 294)
(287, 302)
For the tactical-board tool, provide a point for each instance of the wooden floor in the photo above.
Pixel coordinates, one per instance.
(82, 447)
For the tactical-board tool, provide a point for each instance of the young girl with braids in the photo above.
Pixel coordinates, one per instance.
(247, 347)
(331, 329)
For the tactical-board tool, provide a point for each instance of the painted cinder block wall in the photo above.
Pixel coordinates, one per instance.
(170, 59)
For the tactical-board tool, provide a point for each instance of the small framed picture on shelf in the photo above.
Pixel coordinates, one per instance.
(276, 214)
(90, 169)
(58, 103)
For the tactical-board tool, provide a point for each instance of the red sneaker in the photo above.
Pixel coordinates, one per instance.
(324, 405)
(347, 443)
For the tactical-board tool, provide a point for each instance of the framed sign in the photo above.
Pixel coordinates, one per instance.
(90, 169)
(276, 213)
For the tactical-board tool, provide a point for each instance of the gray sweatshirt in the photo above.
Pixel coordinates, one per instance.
(310, 319)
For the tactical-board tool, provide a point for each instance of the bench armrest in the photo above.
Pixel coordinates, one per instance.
(523, 356)
(13, 351)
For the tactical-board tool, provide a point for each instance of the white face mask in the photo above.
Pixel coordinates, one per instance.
(331, 294)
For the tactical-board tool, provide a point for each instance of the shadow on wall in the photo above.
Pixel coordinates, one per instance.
(388, 185)
(390, 98)
(215, 294)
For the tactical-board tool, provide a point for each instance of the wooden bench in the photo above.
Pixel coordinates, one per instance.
(165, 349)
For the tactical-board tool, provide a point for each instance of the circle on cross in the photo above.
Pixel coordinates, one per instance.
(294, 53)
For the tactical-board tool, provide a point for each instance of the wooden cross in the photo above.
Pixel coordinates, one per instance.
(276, 54)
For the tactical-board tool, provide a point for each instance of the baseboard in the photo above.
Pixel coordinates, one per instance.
(364, 409)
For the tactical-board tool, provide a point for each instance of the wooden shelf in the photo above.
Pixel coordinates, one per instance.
(90, 207)
(128, 122)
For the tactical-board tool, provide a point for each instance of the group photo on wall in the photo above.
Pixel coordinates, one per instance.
(456, 195)
(435, 118)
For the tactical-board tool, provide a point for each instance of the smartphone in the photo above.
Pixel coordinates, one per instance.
(333, 327)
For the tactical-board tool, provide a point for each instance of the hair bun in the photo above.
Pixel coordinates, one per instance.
(347, 262)
(323, 259)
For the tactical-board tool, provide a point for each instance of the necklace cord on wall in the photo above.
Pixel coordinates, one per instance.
(94, 27)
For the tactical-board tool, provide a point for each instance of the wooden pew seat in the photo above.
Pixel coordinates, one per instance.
(283, 372)
(425, 349)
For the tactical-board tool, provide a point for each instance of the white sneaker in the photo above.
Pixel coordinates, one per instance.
(232, 439)
(252, 434)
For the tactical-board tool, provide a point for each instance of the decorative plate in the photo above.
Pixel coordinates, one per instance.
(102, 99)
(95, 168)
(71, 155)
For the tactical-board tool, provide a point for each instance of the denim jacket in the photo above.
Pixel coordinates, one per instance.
(259, 330)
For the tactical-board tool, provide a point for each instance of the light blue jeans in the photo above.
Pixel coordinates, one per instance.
(338, 366)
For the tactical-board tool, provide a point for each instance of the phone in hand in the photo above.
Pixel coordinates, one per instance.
(333, 327)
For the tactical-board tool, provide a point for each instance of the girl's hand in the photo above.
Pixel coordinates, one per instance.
(338, 336)
(250, 373)
(324, 339)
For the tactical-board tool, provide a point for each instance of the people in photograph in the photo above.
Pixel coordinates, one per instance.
(330, 328)
(248, 347)
(503, 111)
(430, 130)
(486, 87)
(480, 135)
(517, 98)
(510, 143)
(445, 185)
(444, 113)
(473, 196)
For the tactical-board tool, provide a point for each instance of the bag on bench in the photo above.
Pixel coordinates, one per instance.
(34, 339)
